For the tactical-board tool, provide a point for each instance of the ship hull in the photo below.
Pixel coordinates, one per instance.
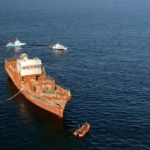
(60, 49)
(55, 107)
(18, 45)
(14, 45)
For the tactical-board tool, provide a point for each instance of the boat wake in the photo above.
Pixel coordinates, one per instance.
(38, 45)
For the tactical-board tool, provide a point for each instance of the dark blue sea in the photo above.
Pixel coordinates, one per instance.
(106, 68)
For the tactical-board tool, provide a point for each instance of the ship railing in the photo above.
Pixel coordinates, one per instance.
(65, 88)
(51, 78)
(68, 91)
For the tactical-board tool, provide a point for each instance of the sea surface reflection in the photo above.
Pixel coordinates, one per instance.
(58, 52)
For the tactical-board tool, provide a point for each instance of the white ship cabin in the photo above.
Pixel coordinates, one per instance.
(26, 66)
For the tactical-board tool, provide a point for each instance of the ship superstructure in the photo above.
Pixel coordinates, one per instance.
(27, 66)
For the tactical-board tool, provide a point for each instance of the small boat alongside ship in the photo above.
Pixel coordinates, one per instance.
(30, 78)
(81, 132)
(57, 46)
(17, 43)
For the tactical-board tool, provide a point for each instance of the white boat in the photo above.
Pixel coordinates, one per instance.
(17, 43)
(57, 46)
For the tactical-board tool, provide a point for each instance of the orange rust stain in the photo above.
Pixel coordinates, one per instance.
(34, 87)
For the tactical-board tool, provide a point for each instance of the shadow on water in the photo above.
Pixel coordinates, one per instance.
(27, 110)
(36, 125)
(38, 45)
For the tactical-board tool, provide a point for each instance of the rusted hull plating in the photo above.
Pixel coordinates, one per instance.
(55, 106)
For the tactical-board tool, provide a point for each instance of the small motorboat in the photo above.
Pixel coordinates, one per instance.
(81, 132)
(17, 43)
(57, 46)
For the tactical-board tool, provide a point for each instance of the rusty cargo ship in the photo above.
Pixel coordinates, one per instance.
(30, 78)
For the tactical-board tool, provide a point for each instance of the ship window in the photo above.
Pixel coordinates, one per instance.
(37, 77)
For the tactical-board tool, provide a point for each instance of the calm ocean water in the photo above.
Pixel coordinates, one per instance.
(106, 67)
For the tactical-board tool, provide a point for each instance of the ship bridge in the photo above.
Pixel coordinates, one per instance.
(26, 66)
